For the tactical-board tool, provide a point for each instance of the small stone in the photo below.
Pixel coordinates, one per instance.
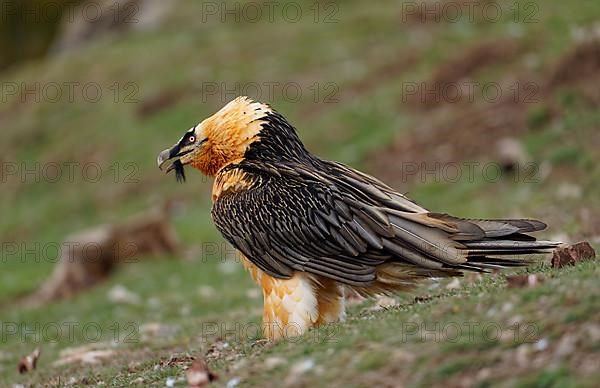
(454, 284)
(303, 366)
(507, 307)
(253, 293)
(92, 354)
(274, 362)
(170, 382)
(29, 363)
(566, 345)
(572, 254)
(153, 330)
(592, 332)
(523, 355)
(520, 281)
(541, 344)
(206, 292)
(198, 375)
(569, 191)
(120, 294)
(511, 154)
(386, 302)
(299, 369)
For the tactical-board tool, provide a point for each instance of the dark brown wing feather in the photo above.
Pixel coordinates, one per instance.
(331, 220)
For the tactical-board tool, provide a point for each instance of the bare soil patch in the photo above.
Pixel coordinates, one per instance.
(453, 132)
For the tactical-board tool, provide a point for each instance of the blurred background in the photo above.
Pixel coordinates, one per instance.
(477, 108)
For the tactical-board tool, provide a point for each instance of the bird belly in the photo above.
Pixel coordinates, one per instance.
(292, 306)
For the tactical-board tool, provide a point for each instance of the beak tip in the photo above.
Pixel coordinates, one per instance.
(162, 158)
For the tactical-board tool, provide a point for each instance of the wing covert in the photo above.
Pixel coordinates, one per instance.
(283, 224)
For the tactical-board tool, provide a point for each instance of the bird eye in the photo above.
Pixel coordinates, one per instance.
(192, 139)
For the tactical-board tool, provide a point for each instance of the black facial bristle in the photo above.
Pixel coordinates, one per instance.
(179, 171)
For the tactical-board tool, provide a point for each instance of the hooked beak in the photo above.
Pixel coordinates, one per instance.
(169, 160)
(166, 159)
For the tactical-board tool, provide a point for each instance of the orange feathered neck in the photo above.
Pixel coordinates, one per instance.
(229, 133)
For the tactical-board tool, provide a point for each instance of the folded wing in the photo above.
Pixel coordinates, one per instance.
(339, 223)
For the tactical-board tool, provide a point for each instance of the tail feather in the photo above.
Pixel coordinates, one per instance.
(489, 228)
(479, 244)
(508, 246)
(506, 238)
(499, 228)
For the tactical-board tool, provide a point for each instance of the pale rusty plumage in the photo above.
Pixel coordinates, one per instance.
(229, 182)
(229, 132)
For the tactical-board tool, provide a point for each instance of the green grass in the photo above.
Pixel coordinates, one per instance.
(204, 301)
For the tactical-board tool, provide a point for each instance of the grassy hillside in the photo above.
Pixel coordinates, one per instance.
(356, 68)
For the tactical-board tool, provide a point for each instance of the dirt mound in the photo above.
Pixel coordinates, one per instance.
(444, 141)
(579, 69)
(372, 80)
(579, 64)
(449, 78)
(91, 255)
(452, 132)
(382, 74)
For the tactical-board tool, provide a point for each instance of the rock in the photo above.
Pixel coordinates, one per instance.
(90, 256)
(566, 345)
(153, 330)
(253, 293)
(541, 344)
(520, 281)
(96, 19)
(523, 355)
(572, 254)
(120, 294)
(454, 284)
(569, 191)
(198, 374)
(274, 362)
(170, 382)
(207, 292)
(511, 154)
(299, 369)
(29, 363)
(384, 302)
(86, 354)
